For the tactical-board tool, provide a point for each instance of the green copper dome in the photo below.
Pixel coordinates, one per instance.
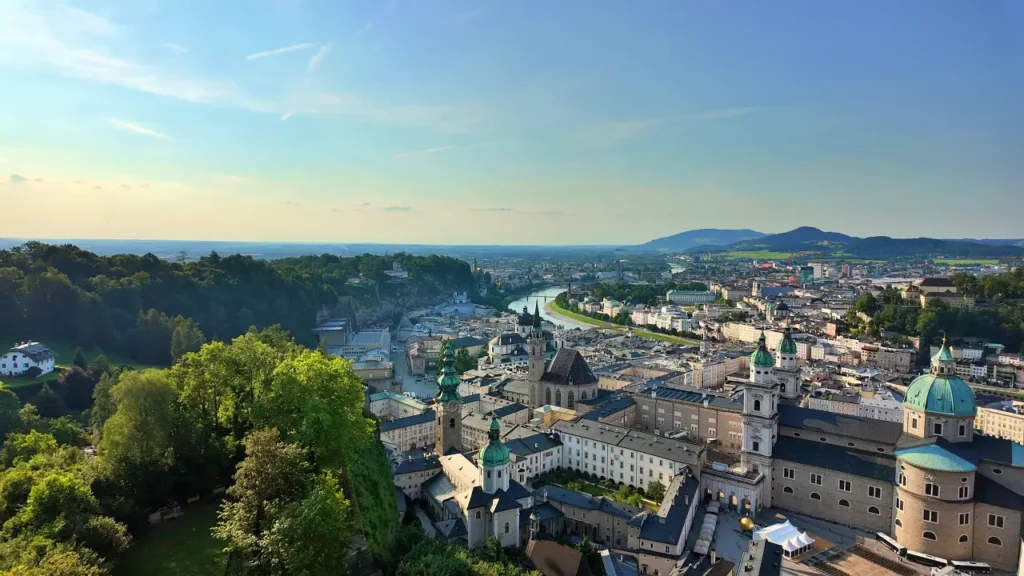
(448, 381)
(495, 453)
(941, 394)
(942, 391)
(761, 358)
(788, 346)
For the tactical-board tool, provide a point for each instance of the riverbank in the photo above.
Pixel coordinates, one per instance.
(555, 310)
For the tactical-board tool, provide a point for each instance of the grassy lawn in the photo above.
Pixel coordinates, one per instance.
(65, 353)
(757, 254)
(183, 547)
(966, 261)
(636, 331)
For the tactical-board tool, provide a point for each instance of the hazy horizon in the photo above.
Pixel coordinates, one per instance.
(485, 123)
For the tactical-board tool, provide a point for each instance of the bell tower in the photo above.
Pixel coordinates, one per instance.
(760, 417)
(787, 370)
(535, 361)
(448, 405)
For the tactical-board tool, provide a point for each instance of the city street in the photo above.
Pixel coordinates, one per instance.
(424, 387)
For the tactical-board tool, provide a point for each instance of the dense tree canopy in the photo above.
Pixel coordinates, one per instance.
(140, 306)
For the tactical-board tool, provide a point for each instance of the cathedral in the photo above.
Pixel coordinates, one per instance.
(565, 381)
(933, 483)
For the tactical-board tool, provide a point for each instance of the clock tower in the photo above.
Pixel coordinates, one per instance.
(448, 405)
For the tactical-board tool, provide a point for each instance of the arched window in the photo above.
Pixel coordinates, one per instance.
(899, 524)
(963, 538)
(547, 396)
(815, 496)
(506, 527)
(757, 405)
(995, 541)
(451, 423)
(572, 400)
(873, 510)
(583, 395)
(929, 535)
(787, 490)
(844, 503)
(477, 514)
(558, 397)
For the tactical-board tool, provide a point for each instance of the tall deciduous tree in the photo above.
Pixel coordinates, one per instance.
(186, 337)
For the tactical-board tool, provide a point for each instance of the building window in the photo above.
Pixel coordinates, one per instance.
(477, 514)
(787, 490)
(506, 527)
(874, 510)
(789, 473)
(964, 519)
(995, 541)
(757, 446)
(816, 479)
(963, 538)
(899, 504)
(931, 516)
(996, 521)
(937, 428)
(903, 480)
(931, 490)
(845, 486)
(844, 503)
(451, 423)
(962, 429)
(898, 523)
(964, 492)
(757, 405)
(488, 473)
(874, 492)
(913, 423)
(929, 535)
(815, 496)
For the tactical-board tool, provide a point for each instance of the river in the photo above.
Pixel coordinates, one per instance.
(538, 298)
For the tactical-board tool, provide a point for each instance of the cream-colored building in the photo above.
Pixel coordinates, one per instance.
(1003, 420)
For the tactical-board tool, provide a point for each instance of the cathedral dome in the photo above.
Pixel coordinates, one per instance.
(941, 391)
(494, 453)
(761, 358)
(942, 395)
(788, 346)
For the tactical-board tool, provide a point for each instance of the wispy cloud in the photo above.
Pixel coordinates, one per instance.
(396, 208)
(42, 39)
(276, 51)
(142, 130)
(87, 22)
(423, 152)
(18, 179)
(286, 115)
(175, 47)
(493, 209)
(317, 58)
(614, 132)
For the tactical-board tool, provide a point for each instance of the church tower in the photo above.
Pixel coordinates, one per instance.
(494, 460)
(448, 405)
(760, 417)
(535, 360)
(787, 370)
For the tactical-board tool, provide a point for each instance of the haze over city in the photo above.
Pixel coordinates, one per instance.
(517, 123)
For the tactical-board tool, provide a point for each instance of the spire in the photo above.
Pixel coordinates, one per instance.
(447, 380)
(536, 316)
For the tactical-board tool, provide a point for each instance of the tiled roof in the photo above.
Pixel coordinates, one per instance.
(1001, 450)
(840, 424)
(454, 528)
(546, 511)
(397, 423)
(418, 465)
(568, 366)
(667, 525)
(503, 501)
(838, 458)
(990, 491)
(507, 410)
(531, 444)
(586, 501)
(610, 408)
(934, 457)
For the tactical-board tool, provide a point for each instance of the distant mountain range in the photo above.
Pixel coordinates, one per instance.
(810, 239)
(693, 238)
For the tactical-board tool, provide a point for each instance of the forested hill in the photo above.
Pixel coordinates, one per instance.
(131, 304)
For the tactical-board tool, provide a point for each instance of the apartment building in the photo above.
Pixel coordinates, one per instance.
(1004, 419)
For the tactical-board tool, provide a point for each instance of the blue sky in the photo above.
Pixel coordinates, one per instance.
(526, 122)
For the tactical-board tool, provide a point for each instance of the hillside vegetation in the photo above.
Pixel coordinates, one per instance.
(139, 306)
